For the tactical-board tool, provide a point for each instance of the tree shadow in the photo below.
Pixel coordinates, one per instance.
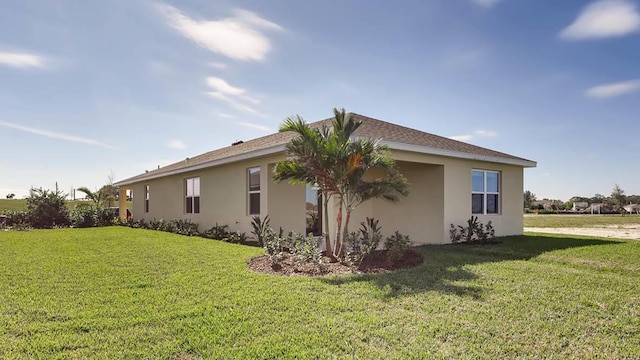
(445, 271)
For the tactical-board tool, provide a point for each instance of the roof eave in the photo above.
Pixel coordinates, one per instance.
(245, 156)
(458, 154)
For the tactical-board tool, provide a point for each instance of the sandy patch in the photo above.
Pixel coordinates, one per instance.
(611, 231)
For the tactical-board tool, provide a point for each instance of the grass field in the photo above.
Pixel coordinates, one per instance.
(130, 293)
(583, 221)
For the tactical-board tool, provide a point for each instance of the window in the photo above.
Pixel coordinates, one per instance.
(192, 195)
(485, 192)
(146, 198)
(254, 191)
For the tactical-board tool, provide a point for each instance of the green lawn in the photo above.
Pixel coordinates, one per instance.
(130, 293)
(565, 221)
(12, 204)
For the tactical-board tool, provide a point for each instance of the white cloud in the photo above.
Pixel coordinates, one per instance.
(22, 60)
(485, 3)
(239, 37)
(604, 18)
(461, 137)
(223, 87)
(254, 126)
(176, 144)
(486, 133)
(613, 89)
(218, 65)
(55, 135)
(475, 134)
(234, 96)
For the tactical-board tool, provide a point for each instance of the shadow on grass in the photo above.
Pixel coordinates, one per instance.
(444, 267)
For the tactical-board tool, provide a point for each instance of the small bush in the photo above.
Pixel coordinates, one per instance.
(218, 232)
(185, 227)
(273, 245)
(396, 245)
(222, 233)
(304, 249)
(17, 218)
(47, 209)
(259, 227)
(363, 243)
(105, 217)
(83, 216)
(474, 231)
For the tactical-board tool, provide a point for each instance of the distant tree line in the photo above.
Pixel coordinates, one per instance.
(612, 203)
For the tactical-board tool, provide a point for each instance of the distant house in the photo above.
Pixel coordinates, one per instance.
(580, 206)
(546, 204)
(632, 208)
(449, 182)
(599, 208)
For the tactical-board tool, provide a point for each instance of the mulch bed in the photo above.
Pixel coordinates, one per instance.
(376, 262)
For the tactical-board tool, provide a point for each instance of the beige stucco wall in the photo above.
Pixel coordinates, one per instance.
(418, 215)
(440, 194)
(224, 198)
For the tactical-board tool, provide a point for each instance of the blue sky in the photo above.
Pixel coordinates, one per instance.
(93, 88)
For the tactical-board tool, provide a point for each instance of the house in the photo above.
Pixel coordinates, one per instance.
(632, 208)
(580, 206)
(546, 204)
(449, 182)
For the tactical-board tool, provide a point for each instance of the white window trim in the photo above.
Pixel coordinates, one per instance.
(193, 196)
(485, 192)
(146, 198)
(251, 192)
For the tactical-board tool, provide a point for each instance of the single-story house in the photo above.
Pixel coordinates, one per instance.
(580, 206)
(449, 182)
(632, 208)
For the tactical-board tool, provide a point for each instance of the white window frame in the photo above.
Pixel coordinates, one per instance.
(254, 191)
(146, 199)
(486, 192)
(195, 194)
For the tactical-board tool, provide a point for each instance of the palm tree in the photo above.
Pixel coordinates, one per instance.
(332, 160)
(98, 197)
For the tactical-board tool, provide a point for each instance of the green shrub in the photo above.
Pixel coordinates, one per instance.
(396, 245)
(364, 242)
(222, 233)
(17, 218)
(218, 232)
(474, 231)
(274, 246)
(185, 227)
(105, 217)
(259, 227)
(304, 249)
(83, 216)
(47, 209)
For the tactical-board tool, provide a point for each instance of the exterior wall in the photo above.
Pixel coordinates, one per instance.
(457, 192)
(440, 195)
(418, 215)
(224, 197)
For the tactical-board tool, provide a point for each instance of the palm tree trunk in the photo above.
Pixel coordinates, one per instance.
(338, 244)
(345, 233)
(325, 220)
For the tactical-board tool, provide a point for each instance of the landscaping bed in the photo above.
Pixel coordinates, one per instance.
(375, 262)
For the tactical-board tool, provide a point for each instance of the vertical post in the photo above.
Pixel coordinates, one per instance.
(122, 203)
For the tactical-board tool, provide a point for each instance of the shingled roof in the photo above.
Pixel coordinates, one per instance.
(395, 136)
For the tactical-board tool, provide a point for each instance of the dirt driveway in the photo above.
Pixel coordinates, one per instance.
(612, 231)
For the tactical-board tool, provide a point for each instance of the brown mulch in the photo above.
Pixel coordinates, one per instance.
(376, 262)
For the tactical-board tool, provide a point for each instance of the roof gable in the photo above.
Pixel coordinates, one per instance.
(395, 136)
